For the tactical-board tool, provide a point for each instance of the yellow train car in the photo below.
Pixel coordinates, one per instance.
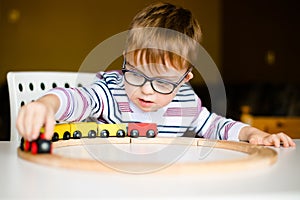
(61, 131)
(79, 130)
(112, 130)
(83, 130)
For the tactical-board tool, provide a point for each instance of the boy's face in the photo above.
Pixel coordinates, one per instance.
(145, 97)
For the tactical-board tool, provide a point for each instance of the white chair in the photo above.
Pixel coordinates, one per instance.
(27, 86)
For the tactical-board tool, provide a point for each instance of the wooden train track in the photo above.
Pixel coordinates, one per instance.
(255, 156)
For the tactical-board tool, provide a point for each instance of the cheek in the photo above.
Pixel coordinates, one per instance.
(130, 90)
(165, 99)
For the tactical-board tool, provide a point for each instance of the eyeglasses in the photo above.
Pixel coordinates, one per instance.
(159, 85)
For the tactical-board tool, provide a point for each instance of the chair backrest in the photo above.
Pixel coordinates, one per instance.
(27, 86)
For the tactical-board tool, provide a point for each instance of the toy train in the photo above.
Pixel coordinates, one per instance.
(40, 145)
(92, 129)
(79, 130)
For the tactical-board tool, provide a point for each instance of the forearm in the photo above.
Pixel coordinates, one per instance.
(76, 104)
(51, 101)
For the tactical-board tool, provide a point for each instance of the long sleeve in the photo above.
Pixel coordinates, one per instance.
(77, 104)
(106, 101)
(212, 126)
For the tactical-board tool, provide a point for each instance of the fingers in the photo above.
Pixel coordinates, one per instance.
(279, 139)
(32, 125)
(283, 139)
(254, 140)
(286, 140)
(24, 122)
(32, 117)
(49, 127)
(272, 140)
(19, 123)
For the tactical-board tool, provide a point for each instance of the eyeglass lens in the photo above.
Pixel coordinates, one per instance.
(136, 79)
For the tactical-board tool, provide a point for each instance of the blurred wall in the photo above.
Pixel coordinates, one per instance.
(58, 34)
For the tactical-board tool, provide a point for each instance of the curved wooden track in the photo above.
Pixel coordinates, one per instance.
(256, 157)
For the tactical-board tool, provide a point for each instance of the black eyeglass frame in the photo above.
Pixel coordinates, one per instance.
(175, 84)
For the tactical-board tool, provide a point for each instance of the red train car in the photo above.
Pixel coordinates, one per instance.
(40, 145)
(142, 130)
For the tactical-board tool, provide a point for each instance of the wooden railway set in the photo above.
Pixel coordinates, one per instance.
(41, 151)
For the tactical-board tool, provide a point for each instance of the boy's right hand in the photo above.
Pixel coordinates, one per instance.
(35, 115)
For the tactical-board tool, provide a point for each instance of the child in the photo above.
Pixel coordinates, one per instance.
(152, 87)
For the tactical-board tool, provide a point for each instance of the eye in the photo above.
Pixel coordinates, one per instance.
(163, 84)
(160, 82)
(134, 78)
(136, 74)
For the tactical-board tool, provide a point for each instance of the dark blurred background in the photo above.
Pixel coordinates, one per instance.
(255, 44)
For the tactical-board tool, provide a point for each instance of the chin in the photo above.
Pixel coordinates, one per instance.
(148, 109)
(151, 109)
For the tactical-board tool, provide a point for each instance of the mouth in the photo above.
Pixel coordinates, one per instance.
(145, 103)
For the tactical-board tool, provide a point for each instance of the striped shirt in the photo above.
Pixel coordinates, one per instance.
(105, 101)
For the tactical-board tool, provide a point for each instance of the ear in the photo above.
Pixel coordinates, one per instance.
(188, 77)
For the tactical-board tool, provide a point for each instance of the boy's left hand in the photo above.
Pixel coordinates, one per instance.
(256, 136)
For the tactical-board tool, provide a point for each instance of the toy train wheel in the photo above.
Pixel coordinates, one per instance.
(134, 133)
(27, 145)
(41, 146)
(67, 135)
(34, 148)
(120, 133)
(77, 134)
(150, 133)
(44, 146)
(92, 134)
(55, 137)
(104, 133)
(22, 144)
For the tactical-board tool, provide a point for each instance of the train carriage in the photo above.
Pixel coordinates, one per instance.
(77, 130)
(112, 130)
(38, 146)
(61, 131)
(83, 130)
(142, 130)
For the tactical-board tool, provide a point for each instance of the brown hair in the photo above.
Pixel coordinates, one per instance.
(162, 26)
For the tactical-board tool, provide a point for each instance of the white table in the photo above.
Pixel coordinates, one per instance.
(20, 179)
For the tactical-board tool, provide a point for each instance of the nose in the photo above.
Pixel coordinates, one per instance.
(147, 88)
